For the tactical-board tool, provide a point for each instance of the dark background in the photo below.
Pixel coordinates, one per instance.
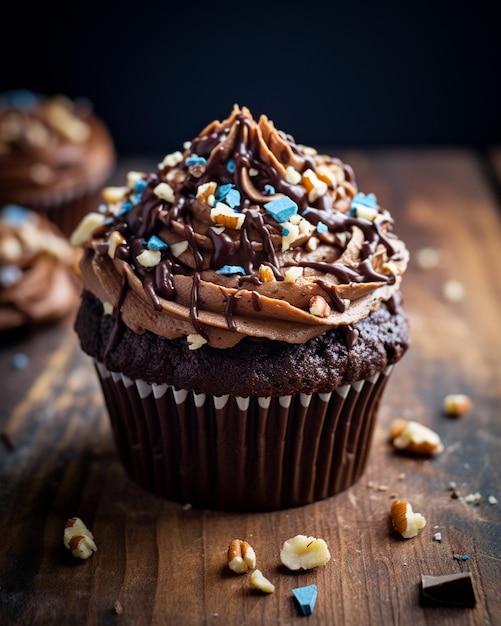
(329, 73)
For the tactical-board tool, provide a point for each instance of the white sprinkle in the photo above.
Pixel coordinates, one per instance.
(195, 341)
(112, 195)
(178, 248)
(133, 177)
(164, 191)
(292, 176)
(437, 537)
(149, 258)
(291, 274)
(171, 160)
(492, 500)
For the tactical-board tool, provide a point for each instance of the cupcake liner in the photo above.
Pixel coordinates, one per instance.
(229, 452)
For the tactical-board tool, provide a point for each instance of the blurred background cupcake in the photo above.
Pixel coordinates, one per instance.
(55, 156)
(37, 270)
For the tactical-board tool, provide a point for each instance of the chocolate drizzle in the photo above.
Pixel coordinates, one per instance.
(228, 310)
(336, 301)
(117, 327)
(194, 305)
(249, 159)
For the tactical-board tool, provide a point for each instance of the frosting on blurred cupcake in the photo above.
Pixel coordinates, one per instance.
(37, 281)
(52, 151)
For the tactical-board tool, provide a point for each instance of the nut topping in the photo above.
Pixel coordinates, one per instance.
(258, 581)
(457, 404)
(241, 556)
(79, 539)
(303, 553)
(405, 521)
(415, 438)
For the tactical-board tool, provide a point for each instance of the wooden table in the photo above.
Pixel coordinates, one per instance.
(163, 563)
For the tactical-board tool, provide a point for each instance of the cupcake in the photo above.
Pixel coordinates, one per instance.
(55, 156)
(242, 307)
(37, 270)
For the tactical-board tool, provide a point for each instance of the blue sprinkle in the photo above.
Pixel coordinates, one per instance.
(125, 208)
(194, 159)
(281, 209)
(20, 361)
(232, 198)
(15, 215)
(22, 99)
(268, 190)
(140, 186)
(228, 270)
(360, 199)
(135, 198)
(285, 232)
(223, 190)
(10, 275)
(230, 166)
(464, 557)
(306, 598)
(155, 243)
(322, 228)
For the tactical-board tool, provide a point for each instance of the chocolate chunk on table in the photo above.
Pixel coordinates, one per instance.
(448, 590)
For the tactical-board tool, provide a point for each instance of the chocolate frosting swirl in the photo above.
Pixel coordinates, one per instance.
(51, 149)
(37, 270)
(244, 234)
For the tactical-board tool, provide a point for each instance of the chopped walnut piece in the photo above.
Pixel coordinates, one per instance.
(303, 553)
(319, 307)
(84, 231)
(241, 556)
(258, 581)
(457, 404)
(405, 521)
(413, 437)
(79, 539)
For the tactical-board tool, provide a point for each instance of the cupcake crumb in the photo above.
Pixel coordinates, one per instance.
(118, 608)
(457, 404)
(473, 498)
(453, 291)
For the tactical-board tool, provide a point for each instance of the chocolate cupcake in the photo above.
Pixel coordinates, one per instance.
(242, 306)
(38, 283)
(55, 156)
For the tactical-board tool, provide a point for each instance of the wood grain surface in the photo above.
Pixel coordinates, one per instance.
(160, 562)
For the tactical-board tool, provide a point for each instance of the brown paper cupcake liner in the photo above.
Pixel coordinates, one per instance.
(250, 454)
